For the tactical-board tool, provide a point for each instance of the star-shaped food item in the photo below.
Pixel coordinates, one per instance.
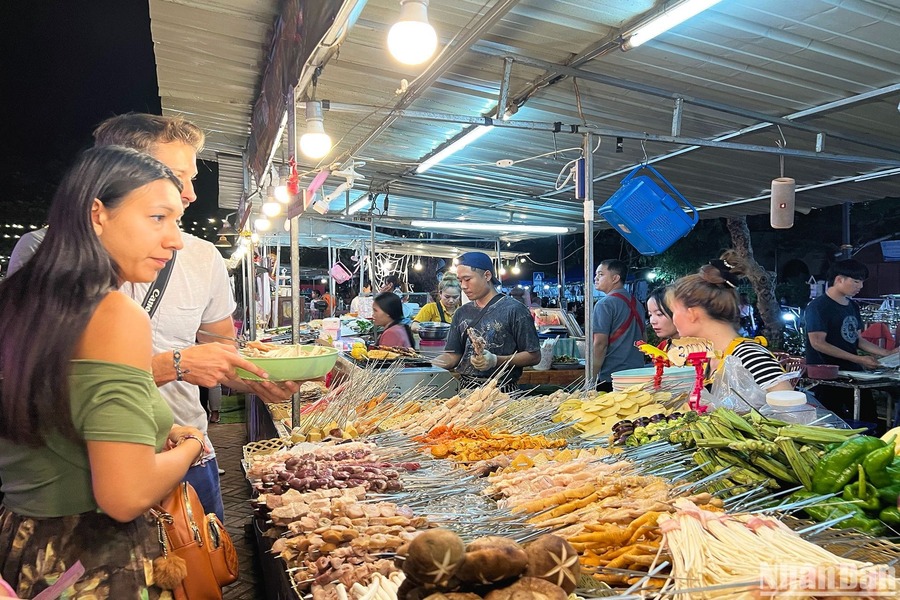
(553, 559)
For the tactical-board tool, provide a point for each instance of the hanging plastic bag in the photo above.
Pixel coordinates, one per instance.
(734, 388)
(546, 355)
(339, 272)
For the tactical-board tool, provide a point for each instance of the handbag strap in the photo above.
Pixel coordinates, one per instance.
(440, 310)
(151, 301)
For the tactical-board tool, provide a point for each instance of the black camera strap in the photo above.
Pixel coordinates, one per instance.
(151, 301)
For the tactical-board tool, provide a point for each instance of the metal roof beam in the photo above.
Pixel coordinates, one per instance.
(633, 135)
(702, 102)
(836, 104)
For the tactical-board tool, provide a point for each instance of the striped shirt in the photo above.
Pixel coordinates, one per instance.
(761, 363)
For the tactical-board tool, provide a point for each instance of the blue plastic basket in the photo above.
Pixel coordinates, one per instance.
(646, 215)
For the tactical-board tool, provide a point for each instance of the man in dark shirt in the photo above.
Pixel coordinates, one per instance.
(833, 322)
(505, 325)
(833, 326)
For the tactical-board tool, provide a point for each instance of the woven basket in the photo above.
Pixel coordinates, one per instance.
(265, 447)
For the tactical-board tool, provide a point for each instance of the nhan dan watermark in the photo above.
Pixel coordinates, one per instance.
(845, 580)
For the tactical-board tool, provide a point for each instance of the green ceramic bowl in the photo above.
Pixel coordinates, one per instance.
(293, 368)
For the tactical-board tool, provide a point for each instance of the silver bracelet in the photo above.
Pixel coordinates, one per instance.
(176, 361)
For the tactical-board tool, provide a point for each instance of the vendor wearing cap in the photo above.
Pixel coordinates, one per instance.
(505, 326)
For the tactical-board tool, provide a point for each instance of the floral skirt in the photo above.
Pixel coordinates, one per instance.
(117, 557)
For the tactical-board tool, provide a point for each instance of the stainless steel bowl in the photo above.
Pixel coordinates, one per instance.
(434, 330)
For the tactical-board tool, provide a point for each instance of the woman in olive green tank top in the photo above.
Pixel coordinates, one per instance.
(87, 445)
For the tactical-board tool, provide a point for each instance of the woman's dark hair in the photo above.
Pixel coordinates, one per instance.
(392, 306)
(713, 288)
(46, 305)
(658, 295)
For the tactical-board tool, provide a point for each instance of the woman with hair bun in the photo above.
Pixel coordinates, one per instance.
(705, 305)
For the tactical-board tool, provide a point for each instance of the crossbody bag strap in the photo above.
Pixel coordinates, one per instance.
(632, 316)
(151, 301)
(440, 310)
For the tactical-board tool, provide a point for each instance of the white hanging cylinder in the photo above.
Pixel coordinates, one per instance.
(781, 214)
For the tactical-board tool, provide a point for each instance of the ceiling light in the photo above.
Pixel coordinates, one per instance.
(498, 227)
(359, 205)
(227, 228)
(418, 265)
(271, 209)
(412, 40)
(665, 20)
(454, 147)
(516, 270)
(281, 192)
(315, 143)
(262, 224)
(223, 242)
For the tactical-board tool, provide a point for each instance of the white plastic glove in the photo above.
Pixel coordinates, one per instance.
(485, 361)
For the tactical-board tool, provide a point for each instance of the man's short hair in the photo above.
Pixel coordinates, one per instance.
(616, 266)
(848, 268)
(143, 132)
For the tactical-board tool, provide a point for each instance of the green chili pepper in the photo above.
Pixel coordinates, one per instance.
(876, 462)
(862, 523)
(838, 467)
(890, 515)
(863, 495)
(888, 495)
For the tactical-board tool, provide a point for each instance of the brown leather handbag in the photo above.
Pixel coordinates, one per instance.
(198, 556)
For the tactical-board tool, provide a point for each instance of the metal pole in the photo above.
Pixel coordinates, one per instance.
(560, 272)
(846, 244)
(372, 255)
(295, 247)
(499, 264)
(250, 287)
(332, 252)
(588, 147)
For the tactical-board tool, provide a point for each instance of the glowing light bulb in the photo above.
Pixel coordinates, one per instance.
(412, 40)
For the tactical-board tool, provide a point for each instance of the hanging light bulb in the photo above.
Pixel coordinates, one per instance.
(262, 224)
(516, 270)
(502, 270)
(315, 143)
(287, 224)
(418, 265)
(271, 209)
(281, 192)
(412, 40)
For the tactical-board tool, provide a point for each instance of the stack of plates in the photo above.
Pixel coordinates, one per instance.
(679, 379)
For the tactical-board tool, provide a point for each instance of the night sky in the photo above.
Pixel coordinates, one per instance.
(67, 65)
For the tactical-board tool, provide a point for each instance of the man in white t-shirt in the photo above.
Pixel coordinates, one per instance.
(197, 296)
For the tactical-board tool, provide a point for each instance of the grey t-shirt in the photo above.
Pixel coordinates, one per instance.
(610, 313)
(25, 249)
(507, 326)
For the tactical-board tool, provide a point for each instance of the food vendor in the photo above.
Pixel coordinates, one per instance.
(705, 305)
(387, 313)
(442, 309)
(833, 336)
(491, 333)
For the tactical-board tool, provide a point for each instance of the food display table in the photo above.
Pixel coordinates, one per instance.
(367, 472)
(560, 377)
(856, 385)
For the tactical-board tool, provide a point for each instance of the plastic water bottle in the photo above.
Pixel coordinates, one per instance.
(789, 406)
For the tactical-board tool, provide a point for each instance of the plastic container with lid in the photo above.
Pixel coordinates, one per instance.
(789, 406)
